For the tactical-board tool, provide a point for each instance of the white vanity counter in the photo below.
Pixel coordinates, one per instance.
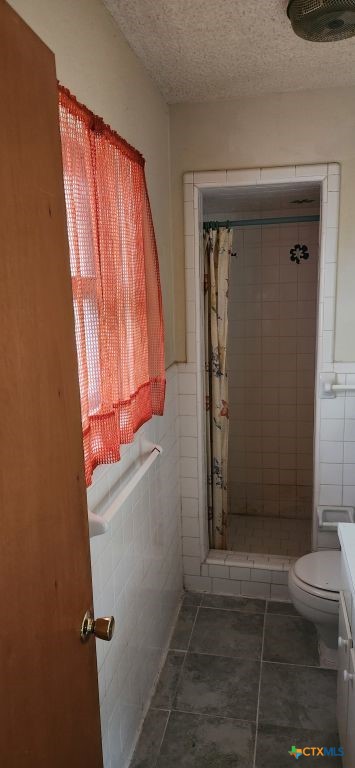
(346, 658)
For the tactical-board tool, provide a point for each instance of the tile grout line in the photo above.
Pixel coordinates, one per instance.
(204, 714)
(250, 613)
(259, 689)
(185, 654)
(234, 610)
(192, 629)
(162, 739)
(214, 717)
(228, 656)
(177, 683)
(304, 666)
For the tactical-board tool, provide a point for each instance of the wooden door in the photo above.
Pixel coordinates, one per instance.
(49, 708)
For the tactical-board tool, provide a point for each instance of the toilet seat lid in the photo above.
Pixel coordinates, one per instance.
(320, 570)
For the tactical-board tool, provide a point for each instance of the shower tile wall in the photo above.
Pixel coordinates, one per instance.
(271, 358)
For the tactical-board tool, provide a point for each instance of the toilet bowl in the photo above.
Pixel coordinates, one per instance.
(314, 584)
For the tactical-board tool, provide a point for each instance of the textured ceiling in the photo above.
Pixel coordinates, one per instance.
(263, 198)
(204, 50)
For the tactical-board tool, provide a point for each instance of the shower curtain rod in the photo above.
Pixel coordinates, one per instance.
(259, 222)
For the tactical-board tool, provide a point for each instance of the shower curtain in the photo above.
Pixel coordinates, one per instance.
(217, 252)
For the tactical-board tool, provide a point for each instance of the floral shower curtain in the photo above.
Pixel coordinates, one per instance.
(217, 253)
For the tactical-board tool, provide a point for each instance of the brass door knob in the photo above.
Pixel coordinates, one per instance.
(102, 628)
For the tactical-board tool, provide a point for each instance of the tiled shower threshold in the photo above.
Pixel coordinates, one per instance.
(240, 573)
(249, 574)
(249, 560)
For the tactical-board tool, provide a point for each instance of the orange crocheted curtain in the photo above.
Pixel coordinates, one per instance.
(116, 284)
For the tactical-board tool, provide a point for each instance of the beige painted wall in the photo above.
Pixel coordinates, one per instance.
(95, 62)
(277, 129)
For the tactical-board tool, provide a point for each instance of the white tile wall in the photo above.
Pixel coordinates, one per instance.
(137, 577)
(337, 449)
(271, 411)
(189, 471)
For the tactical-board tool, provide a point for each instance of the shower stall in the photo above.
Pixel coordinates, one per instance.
(270, 361)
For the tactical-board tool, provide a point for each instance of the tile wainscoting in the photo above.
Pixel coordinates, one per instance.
(136, 570)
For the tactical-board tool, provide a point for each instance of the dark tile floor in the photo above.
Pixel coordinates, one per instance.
(241, 685)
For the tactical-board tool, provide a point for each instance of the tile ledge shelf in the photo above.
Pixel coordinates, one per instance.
(249, 560)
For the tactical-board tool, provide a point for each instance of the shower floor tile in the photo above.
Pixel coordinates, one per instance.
(269, 535)
(213, 709)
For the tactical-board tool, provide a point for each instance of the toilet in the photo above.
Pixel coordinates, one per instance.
(314, 584)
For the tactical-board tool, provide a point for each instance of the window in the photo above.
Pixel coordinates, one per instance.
(116, 285)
